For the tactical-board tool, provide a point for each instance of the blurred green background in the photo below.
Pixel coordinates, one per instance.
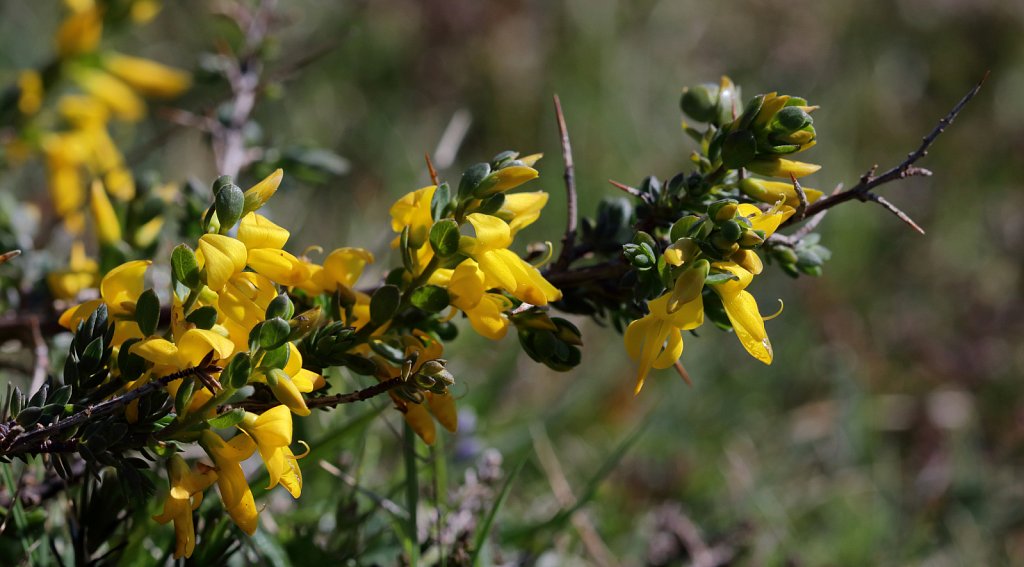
(890, 428)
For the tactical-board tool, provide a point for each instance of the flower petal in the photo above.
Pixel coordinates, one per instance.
(224, 257)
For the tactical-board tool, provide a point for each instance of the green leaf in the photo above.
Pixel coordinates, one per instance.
(147, 312)
(228, 419)
(273, 333)
(444, 237)
(440, 201)
(430, 298)
(238, 371)
(281, 306)
(472, 178)
(204, 317)
(276, 358)
(738, 149)
(384, 304)
(484, 529)
(184, 395)
(184, 267)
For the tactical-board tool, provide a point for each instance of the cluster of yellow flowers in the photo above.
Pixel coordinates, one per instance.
(76, 142)
(232, 307)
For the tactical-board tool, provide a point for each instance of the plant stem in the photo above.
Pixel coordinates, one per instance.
(412, 494)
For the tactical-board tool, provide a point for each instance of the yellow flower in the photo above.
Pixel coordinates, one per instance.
(148, 77)
(243, 301)
(508, 178)
(30, 92)
(742, 310)
(272, 432)
(119, 290)
(186, 352)
(413, 211)
(656, 340)
(264, 241)
(108, 227)
(221, 257)
(522, 209)
(80, 32)
(113, 92)
(467, 291)
(184, 496)
(288, 384)
(82, 273)
(501, 267)
(780, 167)
(234, 490)
(773, 191)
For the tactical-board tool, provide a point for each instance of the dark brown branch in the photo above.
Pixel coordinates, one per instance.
(326, 401)
(569, 239)
(801, 210)
(869, 181)
(19, 441)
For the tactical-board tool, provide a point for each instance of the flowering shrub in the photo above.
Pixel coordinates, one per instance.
(196, 343)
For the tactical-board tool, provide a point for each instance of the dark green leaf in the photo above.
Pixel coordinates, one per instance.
(444, 237)
(384, 304)
(147, 312)
(430, 298)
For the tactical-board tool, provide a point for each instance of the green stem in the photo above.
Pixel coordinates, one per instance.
(412, 494)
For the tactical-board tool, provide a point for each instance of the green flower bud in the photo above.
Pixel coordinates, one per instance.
(724, 209)
(681, 228)
(229, 202)
(700, 102)
(730, 230)
(281, 306)
(791, 119)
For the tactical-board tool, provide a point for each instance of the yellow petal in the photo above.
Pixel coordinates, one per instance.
(108, 228)
(124, 284)
(420, 421)
(491, 233)
(278, 265)
(486, 317)
(443, 408)
(148, 77)
(749, 326)
(511, 177)
(779, 167)
(257, 231)
(344, 266)
(75, 315)
(80, 33)
(158, 351)
(257, 195)
(522, 209)
(118, 96)
(197, 343)
(224, 257)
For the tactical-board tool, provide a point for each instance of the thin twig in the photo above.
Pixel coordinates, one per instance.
(569, 239)
(862, 190)
(681, 370)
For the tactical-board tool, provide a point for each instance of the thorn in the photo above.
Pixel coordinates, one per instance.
(683, 373)
(894, 210)
(6, 256)
(631, 190)
(430, 168)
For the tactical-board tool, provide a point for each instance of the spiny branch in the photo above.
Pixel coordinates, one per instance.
(19, 441)
(862, 191)
(569, 239)
(328, 401)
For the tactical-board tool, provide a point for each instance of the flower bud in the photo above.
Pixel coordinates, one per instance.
(724, 209)
(731, 230)
(700, 102)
